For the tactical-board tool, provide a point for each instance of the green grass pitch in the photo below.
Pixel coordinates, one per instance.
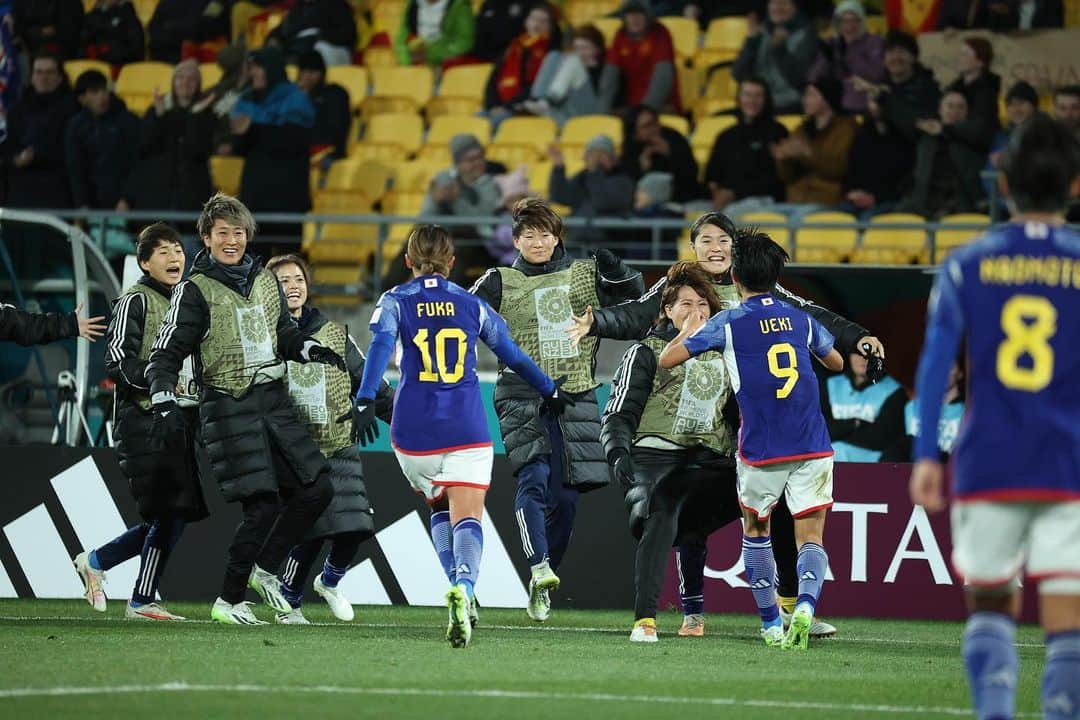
(59, 659)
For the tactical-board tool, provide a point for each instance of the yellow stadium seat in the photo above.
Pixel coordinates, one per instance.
(262, 24)
(137, 82)
(704, 136)
(391, 136)
(386, 15)
(240, 16)
(539, 174)
(685, 35)
(689, 85)
(522, 140)
(711, 106)
(893, 246)
(727, 34)
(461, 91)
(353, 78)
(579, 12)
(607, 26)
(771, 224)
(947, 239)
(721, 85)
(410, 85)
(578, 131)
(791, 122)
(398, 203)
(376, 57)
(445, 127)
(75, 68)
(144, 9)
(365, 180)
(226, 170)
(414, 176)
(209, 74)
(825, 245)
(677, 123)
(876, 24)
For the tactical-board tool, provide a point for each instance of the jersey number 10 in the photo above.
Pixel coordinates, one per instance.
(442, 339)
(1028, 321)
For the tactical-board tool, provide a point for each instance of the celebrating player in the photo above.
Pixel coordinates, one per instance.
(784, 446)
(667, 441)
(439, 430)
(710, 239)
(1012, 301)
(321, 394)
(231, 315)
(554, 459)
(164, 481)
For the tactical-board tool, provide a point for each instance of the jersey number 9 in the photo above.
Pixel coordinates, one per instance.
(1028, 321)
(442, 339)
(789, 373)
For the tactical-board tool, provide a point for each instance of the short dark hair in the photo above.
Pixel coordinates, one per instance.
(1040, 163)
(591, 33)
(89, 81)
(902, 40)
(311, 60)
(154, 236)
(720, 220)
(534, 213)
(290, 259)
(1073, 90)
(756, 260)
(689, 274)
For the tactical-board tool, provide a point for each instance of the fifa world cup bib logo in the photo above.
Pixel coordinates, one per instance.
(254, 337)
(701, 389)
(307, 388)
(553, 313)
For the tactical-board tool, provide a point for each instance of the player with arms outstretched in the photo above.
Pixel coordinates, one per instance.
(1012, 298)
(784, 447)
(439, 429)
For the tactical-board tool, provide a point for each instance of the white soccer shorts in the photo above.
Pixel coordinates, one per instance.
(995, 542)
(807, 485)
(430, 475)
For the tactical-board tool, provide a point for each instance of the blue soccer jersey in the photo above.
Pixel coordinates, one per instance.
(436, 324)
(1012, 301)
(766, 345)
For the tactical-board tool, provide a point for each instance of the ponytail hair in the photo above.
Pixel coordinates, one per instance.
(430, 249)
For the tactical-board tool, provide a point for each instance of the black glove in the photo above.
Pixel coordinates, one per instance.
(557, 402)
(875, 364)
(168, 427)
(607, 263)
(316, 353)
(365, 428)
(622, 468)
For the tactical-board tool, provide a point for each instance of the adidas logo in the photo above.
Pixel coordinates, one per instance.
(808, 575)
(1002, 678)
(1059, 704)
(761, 584)
(463, 569)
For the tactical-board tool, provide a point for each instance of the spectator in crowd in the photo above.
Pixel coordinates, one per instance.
(780, 51)
(865, 418)
(653, 201)
(112, 32)
(513, 187)
(952, 412)
(741, 169)
(331, 101)
(651, 147)
(575, 83)
(326, 26)
(100, 144)
(910, 92)
(813, 162)
(1021, 103)
(1067, 108)
(947, 164)
(434, 31)
(1006, 15)
(49, 26)
(272, 126)
(511, 81)
(980, 89)
(173, 170)
(175, 22)
(497, 23)
(601, 189)
(851, 53)
(32, 155)
(879, 167)
(645, 55)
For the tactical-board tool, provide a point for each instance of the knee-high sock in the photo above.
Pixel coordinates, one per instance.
(442, 537)
(1061, 681)
(811, 566)
(761, 573)
(468, 549)
(160, 540)
(992, 664)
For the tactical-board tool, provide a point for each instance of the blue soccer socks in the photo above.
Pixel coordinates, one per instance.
(811, 566)
(468, 549)
(992, 664)
(761, 573)
(442, 537)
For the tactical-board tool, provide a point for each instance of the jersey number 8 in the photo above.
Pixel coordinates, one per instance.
(442, 339)
(788, 373)
(1028, 321)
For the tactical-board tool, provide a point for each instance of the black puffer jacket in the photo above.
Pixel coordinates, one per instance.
(632, 320)
(243, 436)
(518, 405)
(164, 483)
(350, 510)
(28, 329)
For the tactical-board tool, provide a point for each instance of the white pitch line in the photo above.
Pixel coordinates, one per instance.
(491, 694)
(525, 628)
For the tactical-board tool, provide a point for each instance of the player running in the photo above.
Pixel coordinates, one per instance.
(1012, 301)
(163, 480)
(322, 393)
(439, 429)
(784, 447)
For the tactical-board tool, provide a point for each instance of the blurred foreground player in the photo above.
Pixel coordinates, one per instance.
(1013, 299)
(439, 429)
